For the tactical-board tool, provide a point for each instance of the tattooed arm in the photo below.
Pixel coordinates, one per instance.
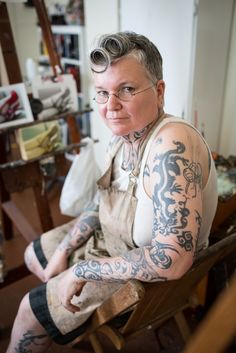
(80, 232)
(173, 180)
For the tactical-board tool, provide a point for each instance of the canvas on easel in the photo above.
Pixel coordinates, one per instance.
(58, 95)
(14, 106)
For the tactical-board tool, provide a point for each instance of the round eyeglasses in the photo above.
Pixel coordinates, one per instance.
(123, 94)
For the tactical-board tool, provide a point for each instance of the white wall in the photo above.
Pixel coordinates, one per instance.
(23, 22)
(228, 129)
(100, 17)
(210, 66)
(194, 43)
(169, 25)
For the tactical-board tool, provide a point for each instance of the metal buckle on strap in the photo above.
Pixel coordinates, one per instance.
(132, 183)
(132, 178)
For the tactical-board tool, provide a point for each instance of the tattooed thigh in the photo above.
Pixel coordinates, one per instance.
(29, 342)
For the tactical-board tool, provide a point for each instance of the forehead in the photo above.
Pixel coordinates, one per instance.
(124, 70)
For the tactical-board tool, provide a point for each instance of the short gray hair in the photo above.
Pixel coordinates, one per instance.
(112, 47)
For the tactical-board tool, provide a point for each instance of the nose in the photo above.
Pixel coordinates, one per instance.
(113, 102)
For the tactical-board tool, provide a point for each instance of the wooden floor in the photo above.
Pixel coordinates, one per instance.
(11, 296)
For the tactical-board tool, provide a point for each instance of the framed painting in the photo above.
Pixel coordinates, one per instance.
(14, 106)
(58, 95)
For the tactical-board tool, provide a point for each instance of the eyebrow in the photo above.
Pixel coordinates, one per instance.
(120, 85)
(99, 87)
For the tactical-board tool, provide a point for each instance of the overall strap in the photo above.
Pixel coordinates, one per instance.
(104, 181)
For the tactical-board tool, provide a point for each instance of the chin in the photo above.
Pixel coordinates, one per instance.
(119, 130)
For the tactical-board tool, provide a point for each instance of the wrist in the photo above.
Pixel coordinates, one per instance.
(76, 273)
(65, 249)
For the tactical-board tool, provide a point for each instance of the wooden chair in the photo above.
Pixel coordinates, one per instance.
(149, 305)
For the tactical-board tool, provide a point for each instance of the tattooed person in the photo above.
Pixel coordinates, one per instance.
(157, 200)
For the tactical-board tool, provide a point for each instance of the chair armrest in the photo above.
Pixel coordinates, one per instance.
(123, 299)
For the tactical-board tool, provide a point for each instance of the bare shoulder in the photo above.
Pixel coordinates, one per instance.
(177, 150)
(175, 132)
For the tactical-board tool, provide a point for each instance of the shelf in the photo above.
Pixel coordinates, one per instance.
(68, 29)
(69, 41)
(43, 59)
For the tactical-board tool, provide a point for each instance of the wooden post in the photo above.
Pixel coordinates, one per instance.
(54, 59)
(14, 76)
(8, 47)
(48, 36)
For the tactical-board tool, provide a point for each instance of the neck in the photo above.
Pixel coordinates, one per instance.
(133, 142)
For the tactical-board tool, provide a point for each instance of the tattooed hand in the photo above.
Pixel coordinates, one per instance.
(68, 286)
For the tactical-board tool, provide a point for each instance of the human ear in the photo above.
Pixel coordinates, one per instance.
(160, 88)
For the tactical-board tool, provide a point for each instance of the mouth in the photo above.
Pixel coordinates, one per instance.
(116, 118)
(117, 121)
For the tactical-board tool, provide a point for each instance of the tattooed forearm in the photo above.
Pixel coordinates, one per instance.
(28, 341)
(89, 270)
(81, 231)
(145, 264)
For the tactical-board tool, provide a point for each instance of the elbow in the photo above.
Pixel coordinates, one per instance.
(180, 267)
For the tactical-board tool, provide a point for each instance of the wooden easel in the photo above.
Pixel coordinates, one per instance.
(14, 76)
(19, 177)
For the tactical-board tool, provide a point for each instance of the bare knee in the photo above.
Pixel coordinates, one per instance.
(25, 313)
(29, 256)
(33, 263)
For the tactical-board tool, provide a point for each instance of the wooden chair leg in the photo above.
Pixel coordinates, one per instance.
(97, 347)
(182, 325)
(114, 335)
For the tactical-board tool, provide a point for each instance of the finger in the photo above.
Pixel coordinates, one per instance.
(80, 290)
(71, 307)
